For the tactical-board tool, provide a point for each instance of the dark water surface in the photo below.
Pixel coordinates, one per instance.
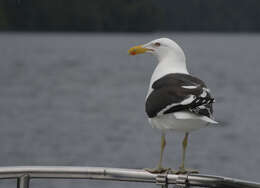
(78, 99)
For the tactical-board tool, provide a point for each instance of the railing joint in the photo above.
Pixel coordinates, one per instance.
(183, 181)
(162, 180)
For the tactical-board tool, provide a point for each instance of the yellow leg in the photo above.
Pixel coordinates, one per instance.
(184, 146)
(163, 144)
(159, 168)
(182, 170)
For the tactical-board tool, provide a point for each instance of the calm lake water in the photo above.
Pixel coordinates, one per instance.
(78, 99)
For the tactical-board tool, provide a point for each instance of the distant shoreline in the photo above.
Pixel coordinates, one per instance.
(128, 32)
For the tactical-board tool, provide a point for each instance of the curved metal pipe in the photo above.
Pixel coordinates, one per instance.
(25, 173)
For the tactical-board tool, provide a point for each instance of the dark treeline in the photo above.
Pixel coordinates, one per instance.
(130, 15)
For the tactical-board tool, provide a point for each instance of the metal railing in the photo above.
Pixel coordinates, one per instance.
(24, 174)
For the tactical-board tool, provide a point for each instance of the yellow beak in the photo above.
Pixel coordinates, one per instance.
(137, 50)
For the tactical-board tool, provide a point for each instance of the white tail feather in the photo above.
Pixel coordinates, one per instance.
(187, 115)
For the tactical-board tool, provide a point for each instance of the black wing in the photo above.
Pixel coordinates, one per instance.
(179, 92)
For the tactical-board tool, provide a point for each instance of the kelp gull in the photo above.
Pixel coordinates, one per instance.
(175, 100)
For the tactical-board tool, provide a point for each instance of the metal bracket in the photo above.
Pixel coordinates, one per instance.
(161, 179)
(23, 181)
(183, 181)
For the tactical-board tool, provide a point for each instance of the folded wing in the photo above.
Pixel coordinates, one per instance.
(179, 92)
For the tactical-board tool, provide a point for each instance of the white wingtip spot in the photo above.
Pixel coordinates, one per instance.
(206, 89)
(203, 94)
(189, 87)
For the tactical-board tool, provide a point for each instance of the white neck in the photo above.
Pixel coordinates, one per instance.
(167, 66)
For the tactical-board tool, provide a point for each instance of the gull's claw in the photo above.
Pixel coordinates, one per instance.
(186, 171)
(158, 170)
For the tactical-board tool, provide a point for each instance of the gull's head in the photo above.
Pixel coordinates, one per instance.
(162, 48)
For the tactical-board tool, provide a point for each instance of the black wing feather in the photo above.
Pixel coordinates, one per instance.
(168, 90)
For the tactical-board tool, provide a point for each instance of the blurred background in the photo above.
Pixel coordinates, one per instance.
(71, 95)
(130, 15)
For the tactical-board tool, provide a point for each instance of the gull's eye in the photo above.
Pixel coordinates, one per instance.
(157, 44)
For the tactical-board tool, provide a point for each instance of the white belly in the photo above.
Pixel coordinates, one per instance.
(178, 121)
